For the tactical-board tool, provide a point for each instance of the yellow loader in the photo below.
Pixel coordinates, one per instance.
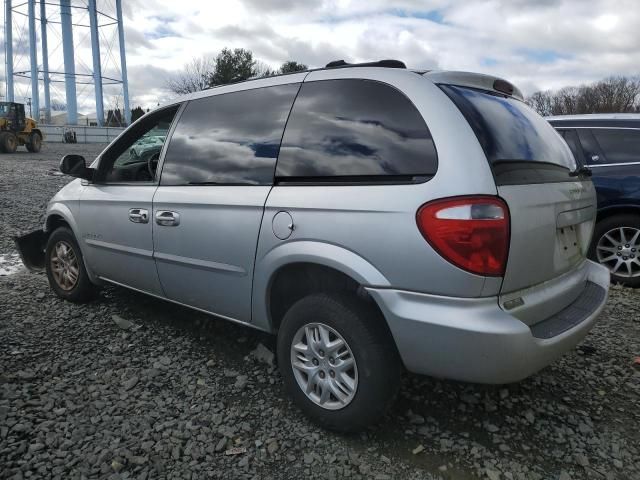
(17, 129)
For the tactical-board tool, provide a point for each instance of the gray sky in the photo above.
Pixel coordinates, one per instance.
(535, 44)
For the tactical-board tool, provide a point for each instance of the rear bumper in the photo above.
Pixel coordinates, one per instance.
(475, 340)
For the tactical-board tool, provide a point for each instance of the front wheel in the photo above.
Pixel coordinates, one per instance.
(338, 361)
(616, 245)
(35, 142)
(65, 268)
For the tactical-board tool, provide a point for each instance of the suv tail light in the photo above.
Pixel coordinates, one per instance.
(470, 232)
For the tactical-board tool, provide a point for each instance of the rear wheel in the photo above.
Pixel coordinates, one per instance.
(338, 361)
(8, 142)
(65, 268)
(35, 142)
(616, 245)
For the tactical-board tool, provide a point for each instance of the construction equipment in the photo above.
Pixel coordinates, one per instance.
(16, 129)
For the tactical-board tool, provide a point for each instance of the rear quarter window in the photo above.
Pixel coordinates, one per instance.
(351, 129)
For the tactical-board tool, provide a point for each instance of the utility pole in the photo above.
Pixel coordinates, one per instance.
(33, 54)
(45, 62)
(8, 49)
(69, 62)
(97, 69)
(123, 63)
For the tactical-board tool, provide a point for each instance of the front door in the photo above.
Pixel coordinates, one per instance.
(116, 209)
(207, 211)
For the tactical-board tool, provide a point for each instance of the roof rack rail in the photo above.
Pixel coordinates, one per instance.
(379, 63)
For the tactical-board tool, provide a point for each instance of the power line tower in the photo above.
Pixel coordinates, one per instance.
(73, 25)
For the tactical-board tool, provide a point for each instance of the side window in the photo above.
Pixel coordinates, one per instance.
(355, 128)
(592, 153)
(229, 139)
(619, 145)
(134, 156)
(571, 137)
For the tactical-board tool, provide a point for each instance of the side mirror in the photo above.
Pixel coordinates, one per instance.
(75, 166)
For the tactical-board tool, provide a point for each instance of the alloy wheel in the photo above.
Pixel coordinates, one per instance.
(64, 266)
(324, 366)
(618, 251)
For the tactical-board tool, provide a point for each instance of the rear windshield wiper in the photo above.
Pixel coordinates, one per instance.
(581, 171)
(203, 183)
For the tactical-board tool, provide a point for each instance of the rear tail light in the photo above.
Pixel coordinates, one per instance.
(470, 232)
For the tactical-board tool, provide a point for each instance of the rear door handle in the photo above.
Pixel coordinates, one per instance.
(167, 218)
(139, 215)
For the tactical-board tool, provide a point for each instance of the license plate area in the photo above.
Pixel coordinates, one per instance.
(568, 241)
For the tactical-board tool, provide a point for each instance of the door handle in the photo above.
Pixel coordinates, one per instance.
(139, 215)
(167, 218)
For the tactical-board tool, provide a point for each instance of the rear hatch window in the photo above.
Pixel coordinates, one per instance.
(521, 146)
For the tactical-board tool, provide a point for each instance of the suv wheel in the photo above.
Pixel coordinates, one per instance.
(338, 361)
(616, 245)
(65, 268)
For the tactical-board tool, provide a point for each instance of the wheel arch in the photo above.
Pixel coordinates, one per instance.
(59, 215)
(295, 269)
(623, 209)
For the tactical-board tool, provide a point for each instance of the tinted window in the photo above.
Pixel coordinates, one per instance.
(134, 156)
(355, 128)
(229, 139)
(508, 130)
(592, 152)
(619, 146)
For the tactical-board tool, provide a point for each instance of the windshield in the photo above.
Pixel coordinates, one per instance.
(508, 130)
(4, 109)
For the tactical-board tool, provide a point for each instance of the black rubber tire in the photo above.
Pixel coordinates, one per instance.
(84, 291)
(610, 223)
(35, 142)
(8, 142)
(379, 366)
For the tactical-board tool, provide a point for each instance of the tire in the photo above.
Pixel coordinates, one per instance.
(79, 291)
(607, 243)
(377, 365)
(35, 142)
(8, 142)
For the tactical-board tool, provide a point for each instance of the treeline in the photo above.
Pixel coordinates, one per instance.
(227, 67)
(611, 95)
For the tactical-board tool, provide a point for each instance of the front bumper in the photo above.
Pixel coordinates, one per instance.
(475, 340)
(31, 248)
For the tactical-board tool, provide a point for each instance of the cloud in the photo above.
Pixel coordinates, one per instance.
(537, 44)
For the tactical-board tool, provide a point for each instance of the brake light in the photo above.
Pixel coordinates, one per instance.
(470, 232)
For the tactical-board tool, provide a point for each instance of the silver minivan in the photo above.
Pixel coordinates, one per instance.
(375, 218)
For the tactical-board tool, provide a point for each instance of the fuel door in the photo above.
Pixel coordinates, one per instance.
(282, 225)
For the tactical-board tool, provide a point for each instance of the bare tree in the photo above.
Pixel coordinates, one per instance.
(611, 95)
(541, 102)
(195, 76)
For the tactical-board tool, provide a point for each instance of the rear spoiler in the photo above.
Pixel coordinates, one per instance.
(475, 80)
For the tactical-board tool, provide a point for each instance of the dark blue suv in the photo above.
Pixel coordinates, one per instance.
(610, 145)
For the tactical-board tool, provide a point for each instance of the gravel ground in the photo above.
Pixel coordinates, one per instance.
(133, 387)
